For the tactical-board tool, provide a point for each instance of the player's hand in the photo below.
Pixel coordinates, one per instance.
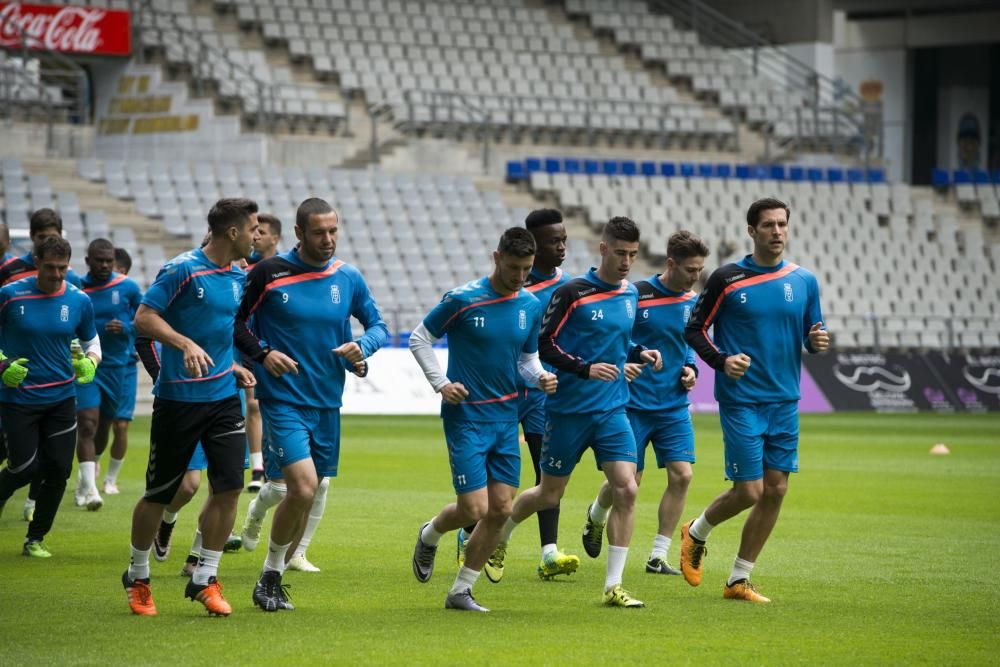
(196, 360)
(819, 338)
(736, 366)
(244, 378)
(350, 351)
(688, 378)
(632, 371)
(84, 367)
(360, 368)
(278, 363)
(115, 327)
(652, 357)
(548, 383)
(13, 371)
(603, 372)
(454, 393)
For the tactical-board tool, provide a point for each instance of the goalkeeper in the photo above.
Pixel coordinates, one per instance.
(39, 317)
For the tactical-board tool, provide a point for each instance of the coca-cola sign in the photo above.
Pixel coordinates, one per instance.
(68, 29)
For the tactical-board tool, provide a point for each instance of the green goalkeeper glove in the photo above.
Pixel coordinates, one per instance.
(13, 371)
(84, 367)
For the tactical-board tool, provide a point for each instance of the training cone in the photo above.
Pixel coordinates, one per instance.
(940, 449)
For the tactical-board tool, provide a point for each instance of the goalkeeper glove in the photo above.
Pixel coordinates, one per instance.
(13, 371)
(84, 367)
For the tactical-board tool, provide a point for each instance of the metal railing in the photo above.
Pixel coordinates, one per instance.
(861, 121)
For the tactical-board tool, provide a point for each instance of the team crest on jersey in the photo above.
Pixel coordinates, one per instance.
(115, 299)
(687, 313)
(628, 310)
(522, 319)
(335, 294)
(788, 292)
(64, 314)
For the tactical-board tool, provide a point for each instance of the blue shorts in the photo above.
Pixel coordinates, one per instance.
(531, 410)
(481, 451)
(759, 436)
(568, 435)
(670, 432)
(104, 392)
(200, 462)
(126, 401)
(295, 433)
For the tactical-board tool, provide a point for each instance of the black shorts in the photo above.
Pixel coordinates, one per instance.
(177, 427)
(40, 437)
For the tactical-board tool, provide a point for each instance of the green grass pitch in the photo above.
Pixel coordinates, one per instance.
(884, 554)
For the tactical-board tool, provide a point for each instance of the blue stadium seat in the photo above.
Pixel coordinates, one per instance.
(962, 177)
(940, 178)
(515, 171)
(743, 171)
(647, 168)
(705, 170)
(533, 164)
(687, 169)
(814, 174)
(723, 170)
(996, 176)
(835, 175)
(668, 169)
(797, 174)
(591, 167)
(855, 176)
(553, 165)
(610, 167)
(629, 168)
(981, 176)
(777, 172)
(875, 175)
(571, 165)
(759, 172)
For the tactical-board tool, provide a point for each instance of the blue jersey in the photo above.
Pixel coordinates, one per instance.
(305, 312)
(487, 333)
(199, 300)
(588, 321)
(40, 327)
(19, 268)
(543, 287)
(763, 312)
(117, 298)
(659, 325)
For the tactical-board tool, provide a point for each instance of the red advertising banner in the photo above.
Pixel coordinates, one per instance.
(90, 30)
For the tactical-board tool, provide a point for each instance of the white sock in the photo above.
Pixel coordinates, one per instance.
(466, 579)
(87, 474)
(429, 535)
(276, 557)
(598, 513)
(196, 545)
(208, 566)
(257, 460)
(315, 515)
(661, 545)
(270, 494)
(741, 570)
(29, 504)
(169, 517)
(548, 549)
(508, 529)
(701, 528)
(616, 565)
(139, 566)
(114, 467)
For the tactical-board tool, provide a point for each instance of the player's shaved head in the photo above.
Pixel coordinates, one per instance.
(310, 207)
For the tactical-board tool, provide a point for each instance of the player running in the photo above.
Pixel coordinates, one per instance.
(586, 337)
(115, 298)
(300, 303)
(658, 402)
(763, 310)
(492, 327)
(191, 309)
(39, 316)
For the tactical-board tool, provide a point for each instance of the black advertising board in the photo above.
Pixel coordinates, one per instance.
(973, 379)
(880, 381)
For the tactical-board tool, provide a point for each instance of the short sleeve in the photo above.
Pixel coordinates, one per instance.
(168, 284)
(86, 330)
(531, 344)
(443, 315)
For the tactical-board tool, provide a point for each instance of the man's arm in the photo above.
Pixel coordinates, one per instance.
(553, 320)
(705, 313)
(150, 323)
